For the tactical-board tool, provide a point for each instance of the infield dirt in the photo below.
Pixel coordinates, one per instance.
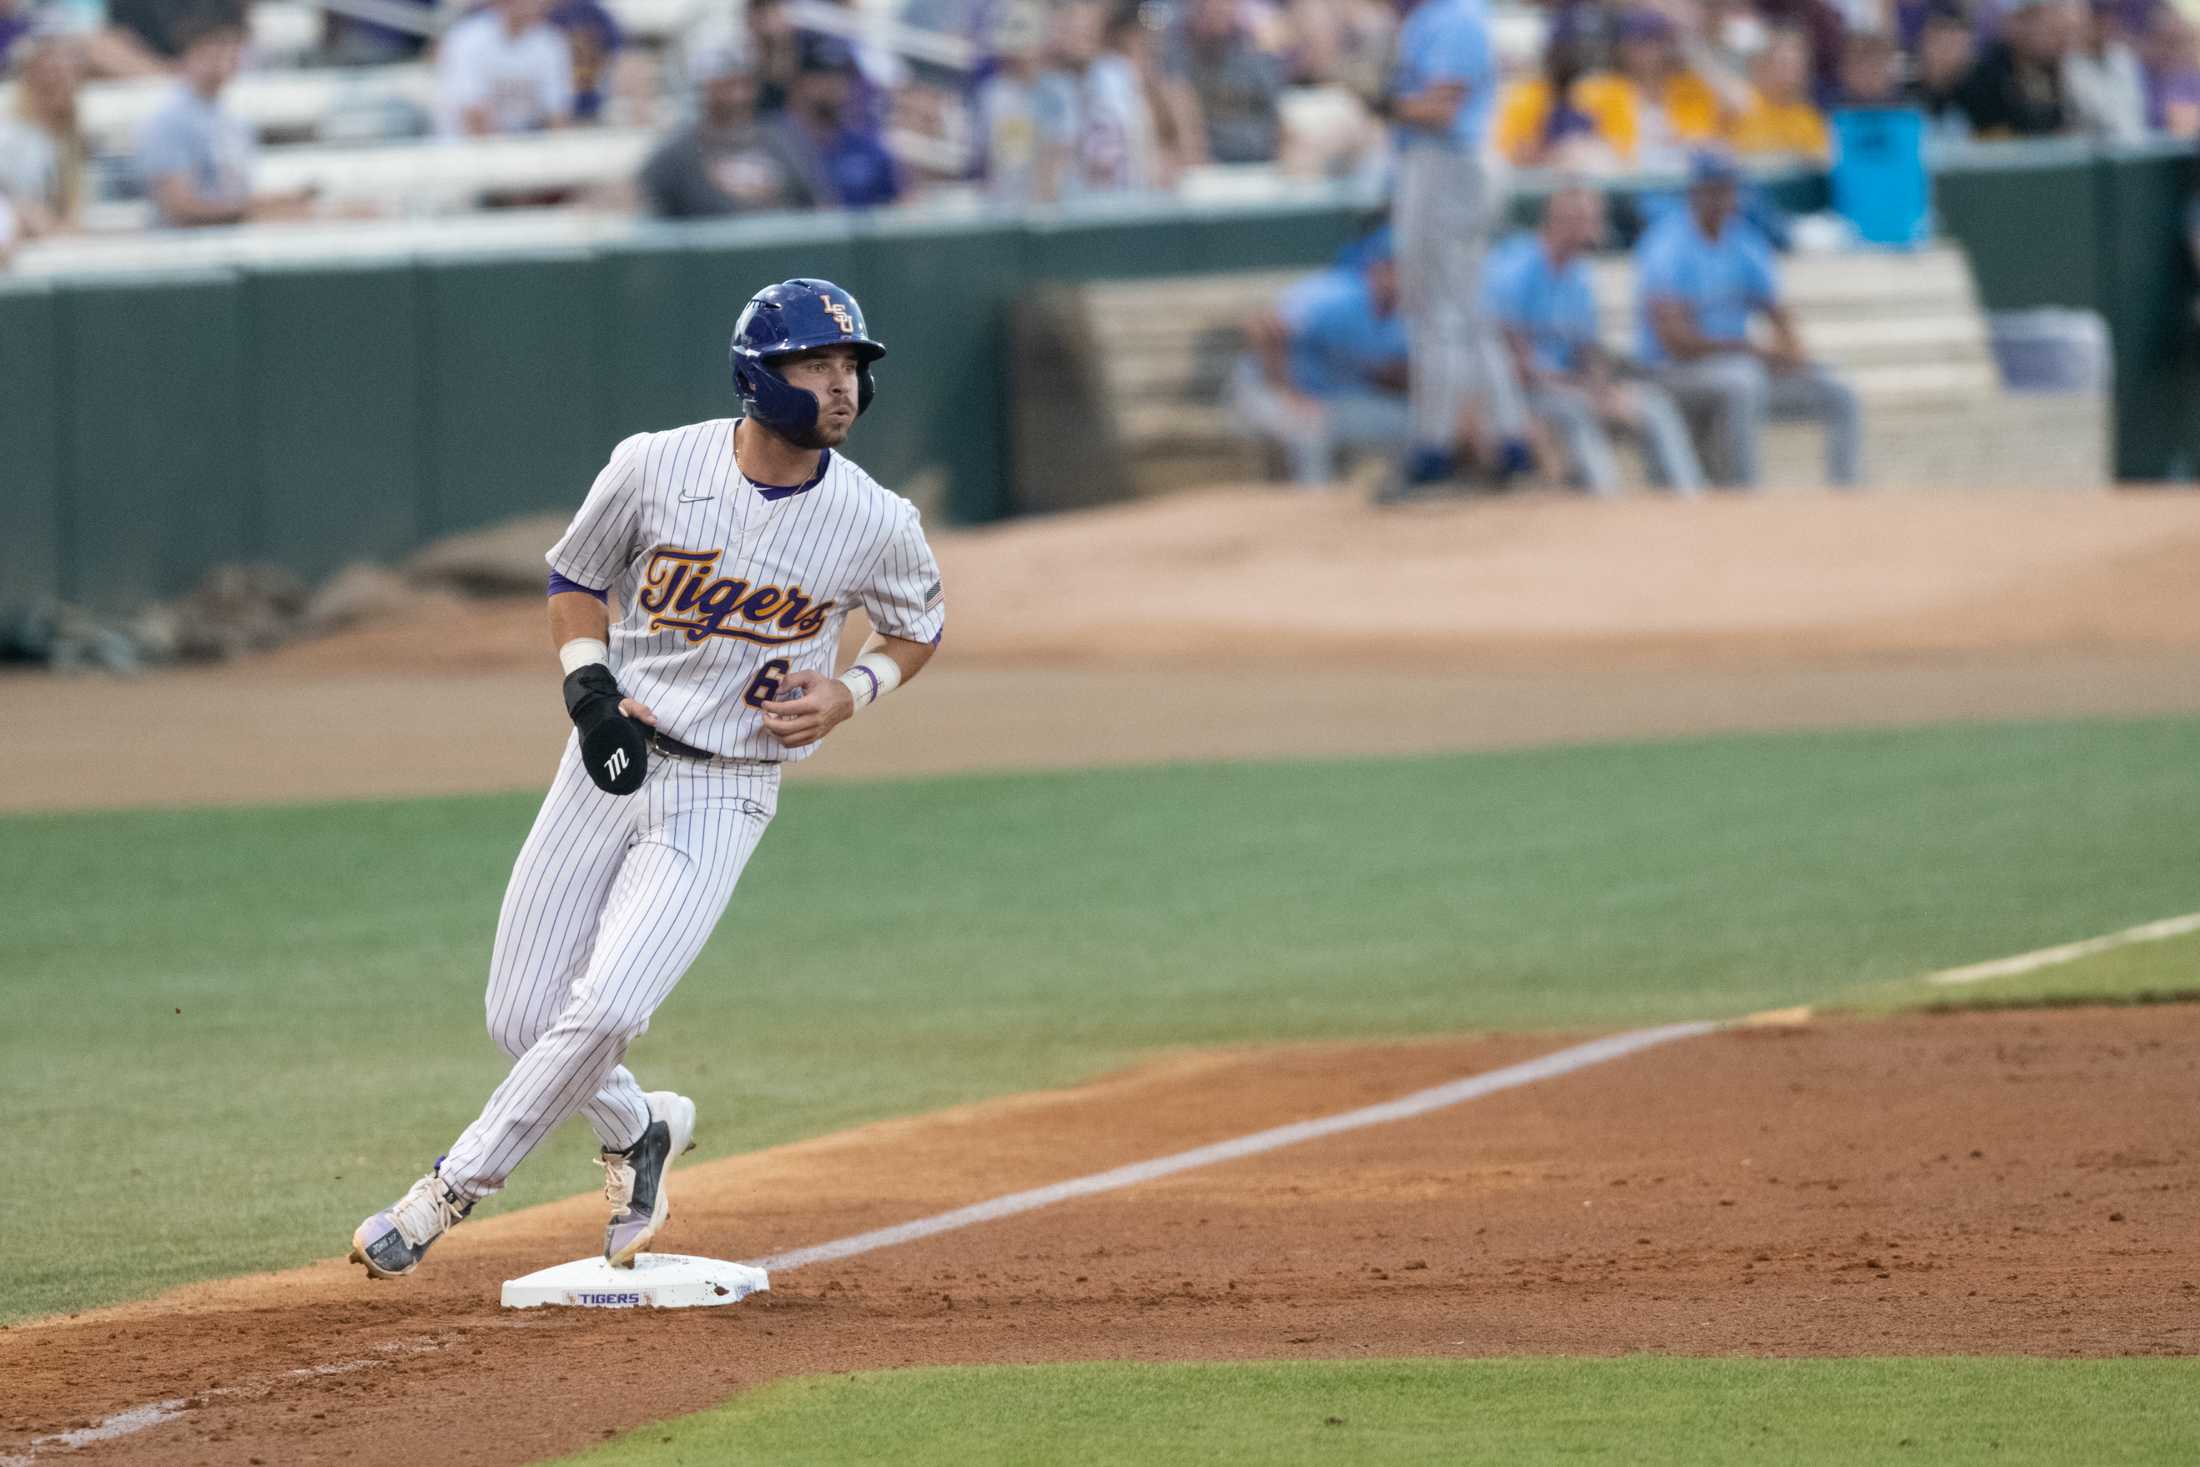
(1979, 1183)
(1244, 624)
(2016, 1183)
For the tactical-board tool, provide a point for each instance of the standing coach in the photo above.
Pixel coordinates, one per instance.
(1447, 203)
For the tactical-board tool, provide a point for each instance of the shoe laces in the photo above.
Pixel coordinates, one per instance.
(427, 1211)
(618, 1179)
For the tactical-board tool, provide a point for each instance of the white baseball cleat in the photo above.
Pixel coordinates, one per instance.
(634, 1179)
(393, 1241)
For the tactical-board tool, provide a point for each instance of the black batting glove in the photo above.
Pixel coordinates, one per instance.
(613, 746)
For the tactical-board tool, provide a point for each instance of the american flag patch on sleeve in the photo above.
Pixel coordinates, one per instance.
(932, 596)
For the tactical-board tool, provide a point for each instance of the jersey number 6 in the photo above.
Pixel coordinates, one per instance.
(765, 685)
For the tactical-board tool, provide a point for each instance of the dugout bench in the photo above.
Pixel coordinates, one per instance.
(1120, 384)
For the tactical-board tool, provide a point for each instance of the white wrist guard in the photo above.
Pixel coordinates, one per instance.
(580, 652)
(873, 676)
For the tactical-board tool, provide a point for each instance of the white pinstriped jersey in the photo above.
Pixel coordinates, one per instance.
(719, 581)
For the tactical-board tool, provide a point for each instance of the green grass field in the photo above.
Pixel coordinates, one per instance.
(1707, 1413)
(2147, 972)
(284, 1004)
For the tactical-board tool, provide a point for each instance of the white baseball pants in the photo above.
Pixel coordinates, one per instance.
(611, 899)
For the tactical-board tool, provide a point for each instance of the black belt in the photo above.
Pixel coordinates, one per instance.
(665, 743)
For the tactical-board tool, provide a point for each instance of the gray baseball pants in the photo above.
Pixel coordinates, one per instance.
(1312, 442)
(1446, 207)
(1667, 450)
(1735, 395)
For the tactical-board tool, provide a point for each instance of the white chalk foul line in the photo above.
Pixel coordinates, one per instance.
(2069, 952)
(142, 1418)
(1421, 1102)
(122, 1423)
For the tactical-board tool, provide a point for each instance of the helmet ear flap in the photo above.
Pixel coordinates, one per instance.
(866, 389)
(772, 400)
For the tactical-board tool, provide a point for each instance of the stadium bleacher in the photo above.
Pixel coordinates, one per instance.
(280, 105)
(358, 135)
(285, 100)
(358, 138)
(1906, 330)
(355, 133)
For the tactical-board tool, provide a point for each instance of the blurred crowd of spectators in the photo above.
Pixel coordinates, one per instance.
(1643, 84)
(1074, 98)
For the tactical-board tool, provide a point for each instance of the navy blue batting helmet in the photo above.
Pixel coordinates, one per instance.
(780, 320)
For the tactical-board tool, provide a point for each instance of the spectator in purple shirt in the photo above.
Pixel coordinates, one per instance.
(2172, 75)
(15, 25)
(1908, 18)
(593, 37)
(842, 161)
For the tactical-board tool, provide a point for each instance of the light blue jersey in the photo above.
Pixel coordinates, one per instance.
(1447, 43)
(1340, 342)
(1722, 281)
(1554, 308)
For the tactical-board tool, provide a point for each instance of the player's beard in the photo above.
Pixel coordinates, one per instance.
(822, 433)
(826, 433)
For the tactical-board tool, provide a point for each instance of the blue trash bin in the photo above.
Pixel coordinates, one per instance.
(1879, 180)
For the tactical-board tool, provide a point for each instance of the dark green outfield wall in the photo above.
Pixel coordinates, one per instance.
(2060, 225)
(31, 539)
(154, 426)
(151, 427)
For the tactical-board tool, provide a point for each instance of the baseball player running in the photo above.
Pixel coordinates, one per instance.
(736, 548)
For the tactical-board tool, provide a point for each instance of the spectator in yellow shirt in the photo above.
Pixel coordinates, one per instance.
(1538, 125)
(1780, 117)
(1653, 109)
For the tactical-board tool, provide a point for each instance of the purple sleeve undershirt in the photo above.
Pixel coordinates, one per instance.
(559, 584)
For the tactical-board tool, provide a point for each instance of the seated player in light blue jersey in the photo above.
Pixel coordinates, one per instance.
(1703, 276)
(1536, 289)
(1326, 372)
